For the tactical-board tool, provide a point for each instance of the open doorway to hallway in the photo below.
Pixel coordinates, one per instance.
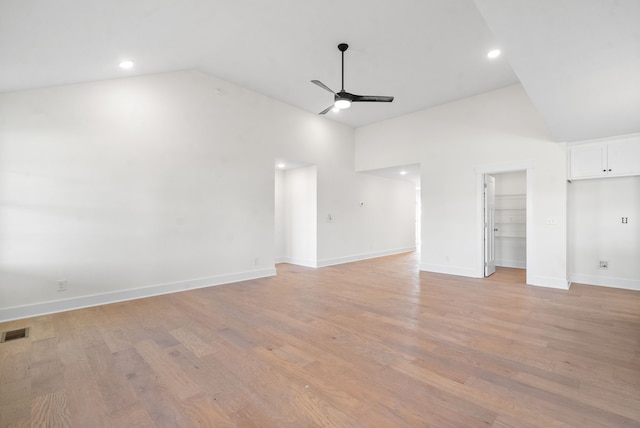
(295, 213)
(412, 174)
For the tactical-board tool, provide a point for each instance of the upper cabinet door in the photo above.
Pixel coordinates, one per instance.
(588, 161)
(624, 157)
(615, 157)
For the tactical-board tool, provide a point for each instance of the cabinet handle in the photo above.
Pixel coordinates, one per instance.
(609, 169)
(604, 170)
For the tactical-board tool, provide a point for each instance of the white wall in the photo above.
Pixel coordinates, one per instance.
(370, 203)
(280, 250)
(596, 208)
(496, 131)
(511, 183)
(146, 185)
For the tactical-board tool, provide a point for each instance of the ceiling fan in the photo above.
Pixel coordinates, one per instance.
(343, 99)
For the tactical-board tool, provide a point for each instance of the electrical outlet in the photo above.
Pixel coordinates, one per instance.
(603, 264)
(62, 284)
(256, 261)
(625, 220)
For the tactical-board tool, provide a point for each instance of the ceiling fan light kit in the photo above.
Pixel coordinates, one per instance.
(342, 103)
(343, 99)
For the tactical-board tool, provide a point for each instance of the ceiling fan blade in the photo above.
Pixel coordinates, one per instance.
(325, 111)
(371, 98)
(322, 85)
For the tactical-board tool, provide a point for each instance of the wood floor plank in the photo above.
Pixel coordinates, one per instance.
(46, 368)
(192, 342)
(622, 405)
(132, 416)
(167, 373)
(368, 344)
(204, 413)
(155, 397)
(87, 406)
(50, 410)
(15, 403)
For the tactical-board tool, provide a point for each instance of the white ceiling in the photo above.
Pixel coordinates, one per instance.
(423, 52)
(579, 61)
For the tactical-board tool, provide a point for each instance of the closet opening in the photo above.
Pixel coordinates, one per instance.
(504, 218)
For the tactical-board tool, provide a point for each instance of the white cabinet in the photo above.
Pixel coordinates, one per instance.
(605, 158)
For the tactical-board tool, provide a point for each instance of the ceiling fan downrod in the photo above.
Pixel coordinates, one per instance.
(343, 47)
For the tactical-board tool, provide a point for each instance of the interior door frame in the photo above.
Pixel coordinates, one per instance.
(489, 224)
(481, 171)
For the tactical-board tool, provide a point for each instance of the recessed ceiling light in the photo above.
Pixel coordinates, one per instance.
(403, 172)
(281, 165)
(335, 109)
(494, 53)
(126, 64)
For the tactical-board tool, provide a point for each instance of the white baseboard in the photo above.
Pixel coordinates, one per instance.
(627, 284)
(471, 273)
(298, 261)
(518, 264)
(365, 256)
(44, 308)
(541, 281)
(449, 270)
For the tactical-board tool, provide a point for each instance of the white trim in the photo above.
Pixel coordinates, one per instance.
(541, 281)
(298, 261)
(603, 281)
(527, 166)
(44, 308)
(451, 270)
(614, 138)
(518, 264)
(499, 168)
(281, 259)
(365, 256)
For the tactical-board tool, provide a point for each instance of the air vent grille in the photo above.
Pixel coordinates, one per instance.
(14, 334)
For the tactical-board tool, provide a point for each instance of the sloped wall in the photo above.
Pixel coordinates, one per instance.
(452, 142)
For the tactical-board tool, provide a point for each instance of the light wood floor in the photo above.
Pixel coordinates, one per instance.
(368, 344)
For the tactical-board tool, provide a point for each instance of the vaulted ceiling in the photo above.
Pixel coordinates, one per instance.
(579, 60)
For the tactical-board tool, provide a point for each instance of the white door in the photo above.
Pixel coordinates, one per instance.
(489, 225)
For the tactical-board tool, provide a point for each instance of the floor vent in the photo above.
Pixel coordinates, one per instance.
(14, 334)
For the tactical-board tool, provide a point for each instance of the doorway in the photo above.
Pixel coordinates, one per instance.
(295, 213)
(504, 199)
